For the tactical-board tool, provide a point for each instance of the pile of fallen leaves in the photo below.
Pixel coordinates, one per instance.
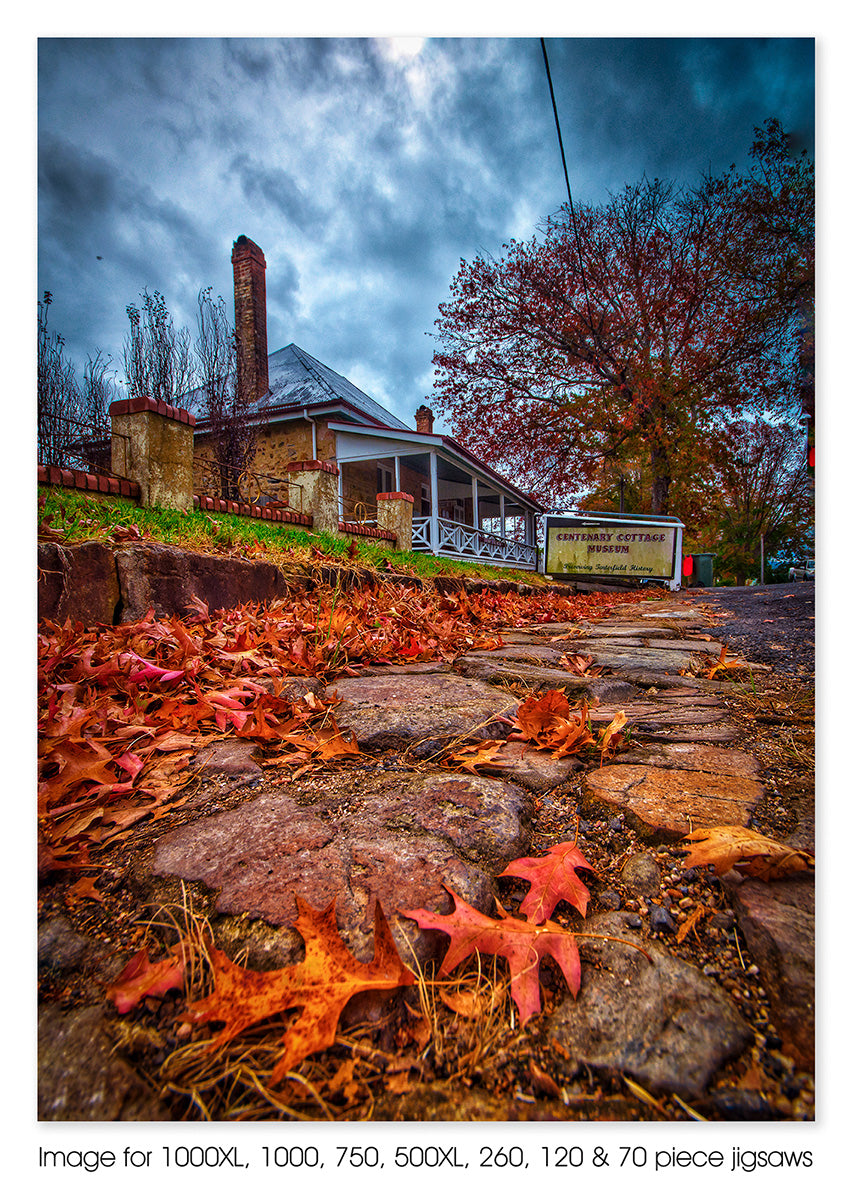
(548, 721)
(123, 709)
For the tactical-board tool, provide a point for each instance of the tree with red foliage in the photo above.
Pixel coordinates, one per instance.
(638, 327)
(763, 498)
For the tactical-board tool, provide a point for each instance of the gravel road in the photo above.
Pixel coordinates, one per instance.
(774, 625)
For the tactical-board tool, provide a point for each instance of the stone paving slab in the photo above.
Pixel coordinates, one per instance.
(672, 732)
(668, 803)
(625, 629)
(395, 836)
(536, 769)
(650, 1015)
(778, 924)
(648, 715)
(527, 651)
(617, 655)
(496, 670)
(693, 756)
(395, 712)
(81, 1078)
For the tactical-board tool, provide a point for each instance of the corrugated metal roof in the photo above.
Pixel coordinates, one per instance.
(297, 378)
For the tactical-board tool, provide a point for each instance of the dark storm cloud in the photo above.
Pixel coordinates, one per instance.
(76, 185)
(364, 168)
(675, 108)
(278, 188)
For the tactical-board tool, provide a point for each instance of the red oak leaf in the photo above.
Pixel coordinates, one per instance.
(552, 879)
(142, 978)
(321, 986)
(521, 943)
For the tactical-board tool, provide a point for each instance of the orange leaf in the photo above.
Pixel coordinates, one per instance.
(691, 922)
(723, 663)
(472, 1003)
(612, 735)
(550, 722)
(83, 889)
(320, 985)
(483, 754)
(725, 846)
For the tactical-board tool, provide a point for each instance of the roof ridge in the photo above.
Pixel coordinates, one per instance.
(302, 355)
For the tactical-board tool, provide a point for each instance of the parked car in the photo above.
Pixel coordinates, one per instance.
(806, 571)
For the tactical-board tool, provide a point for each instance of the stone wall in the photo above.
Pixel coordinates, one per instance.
(93, 582)
(153, 454)
(279, 445)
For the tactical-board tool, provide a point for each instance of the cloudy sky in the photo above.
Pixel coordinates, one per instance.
(364, 168)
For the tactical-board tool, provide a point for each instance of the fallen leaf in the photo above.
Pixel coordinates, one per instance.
(472, 1003)
(342, 1081)
(142, 978)
(692, 921)
(723, 663)
(612, 735)
(541, 1080)
(83, 889)
(483, 754)
(552, 878)
(320, 985)
(580, 664)
(726, 846)
(551, 722)
(521, 943)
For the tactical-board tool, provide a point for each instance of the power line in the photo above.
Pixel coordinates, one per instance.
(568, 185)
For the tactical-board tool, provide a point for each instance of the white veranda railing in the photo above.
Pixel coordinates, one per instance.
(464, 541)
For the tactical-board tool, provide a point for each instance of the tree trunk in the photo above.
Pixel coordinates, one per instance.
(661, 481)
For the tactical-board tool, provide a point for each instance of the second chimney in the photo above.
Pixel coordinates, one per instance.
(424, 418)
(250, 318)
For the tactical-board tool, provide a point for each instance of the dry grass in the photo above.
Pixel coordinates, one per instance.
(460, 1029)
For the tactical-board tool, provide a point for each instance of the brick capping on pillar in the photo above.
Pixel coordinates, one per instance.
(395, 496)
(313, 464)
(137, 404)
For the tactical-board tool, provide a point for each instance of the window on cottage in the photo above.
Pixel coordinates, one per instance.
(425, 500)
(384, 480)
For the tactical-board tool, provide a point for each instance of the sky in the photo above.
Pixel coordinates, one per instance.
(365, 169)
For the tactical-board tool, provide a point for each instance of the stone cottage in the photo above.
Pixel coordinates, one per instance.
(304, 412)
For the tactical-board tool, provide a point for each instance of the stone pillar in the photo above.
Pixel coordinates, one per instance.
(394, 512)
(152, 445)
(319, 483)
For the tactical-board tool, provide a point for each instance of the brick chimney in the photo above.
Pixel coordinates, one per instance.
(250, 318)
(424, 418)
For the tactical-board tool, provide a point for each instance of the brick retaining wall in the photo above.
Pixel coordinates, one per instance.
(88, 481)
(357, 529)
(261, 512)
